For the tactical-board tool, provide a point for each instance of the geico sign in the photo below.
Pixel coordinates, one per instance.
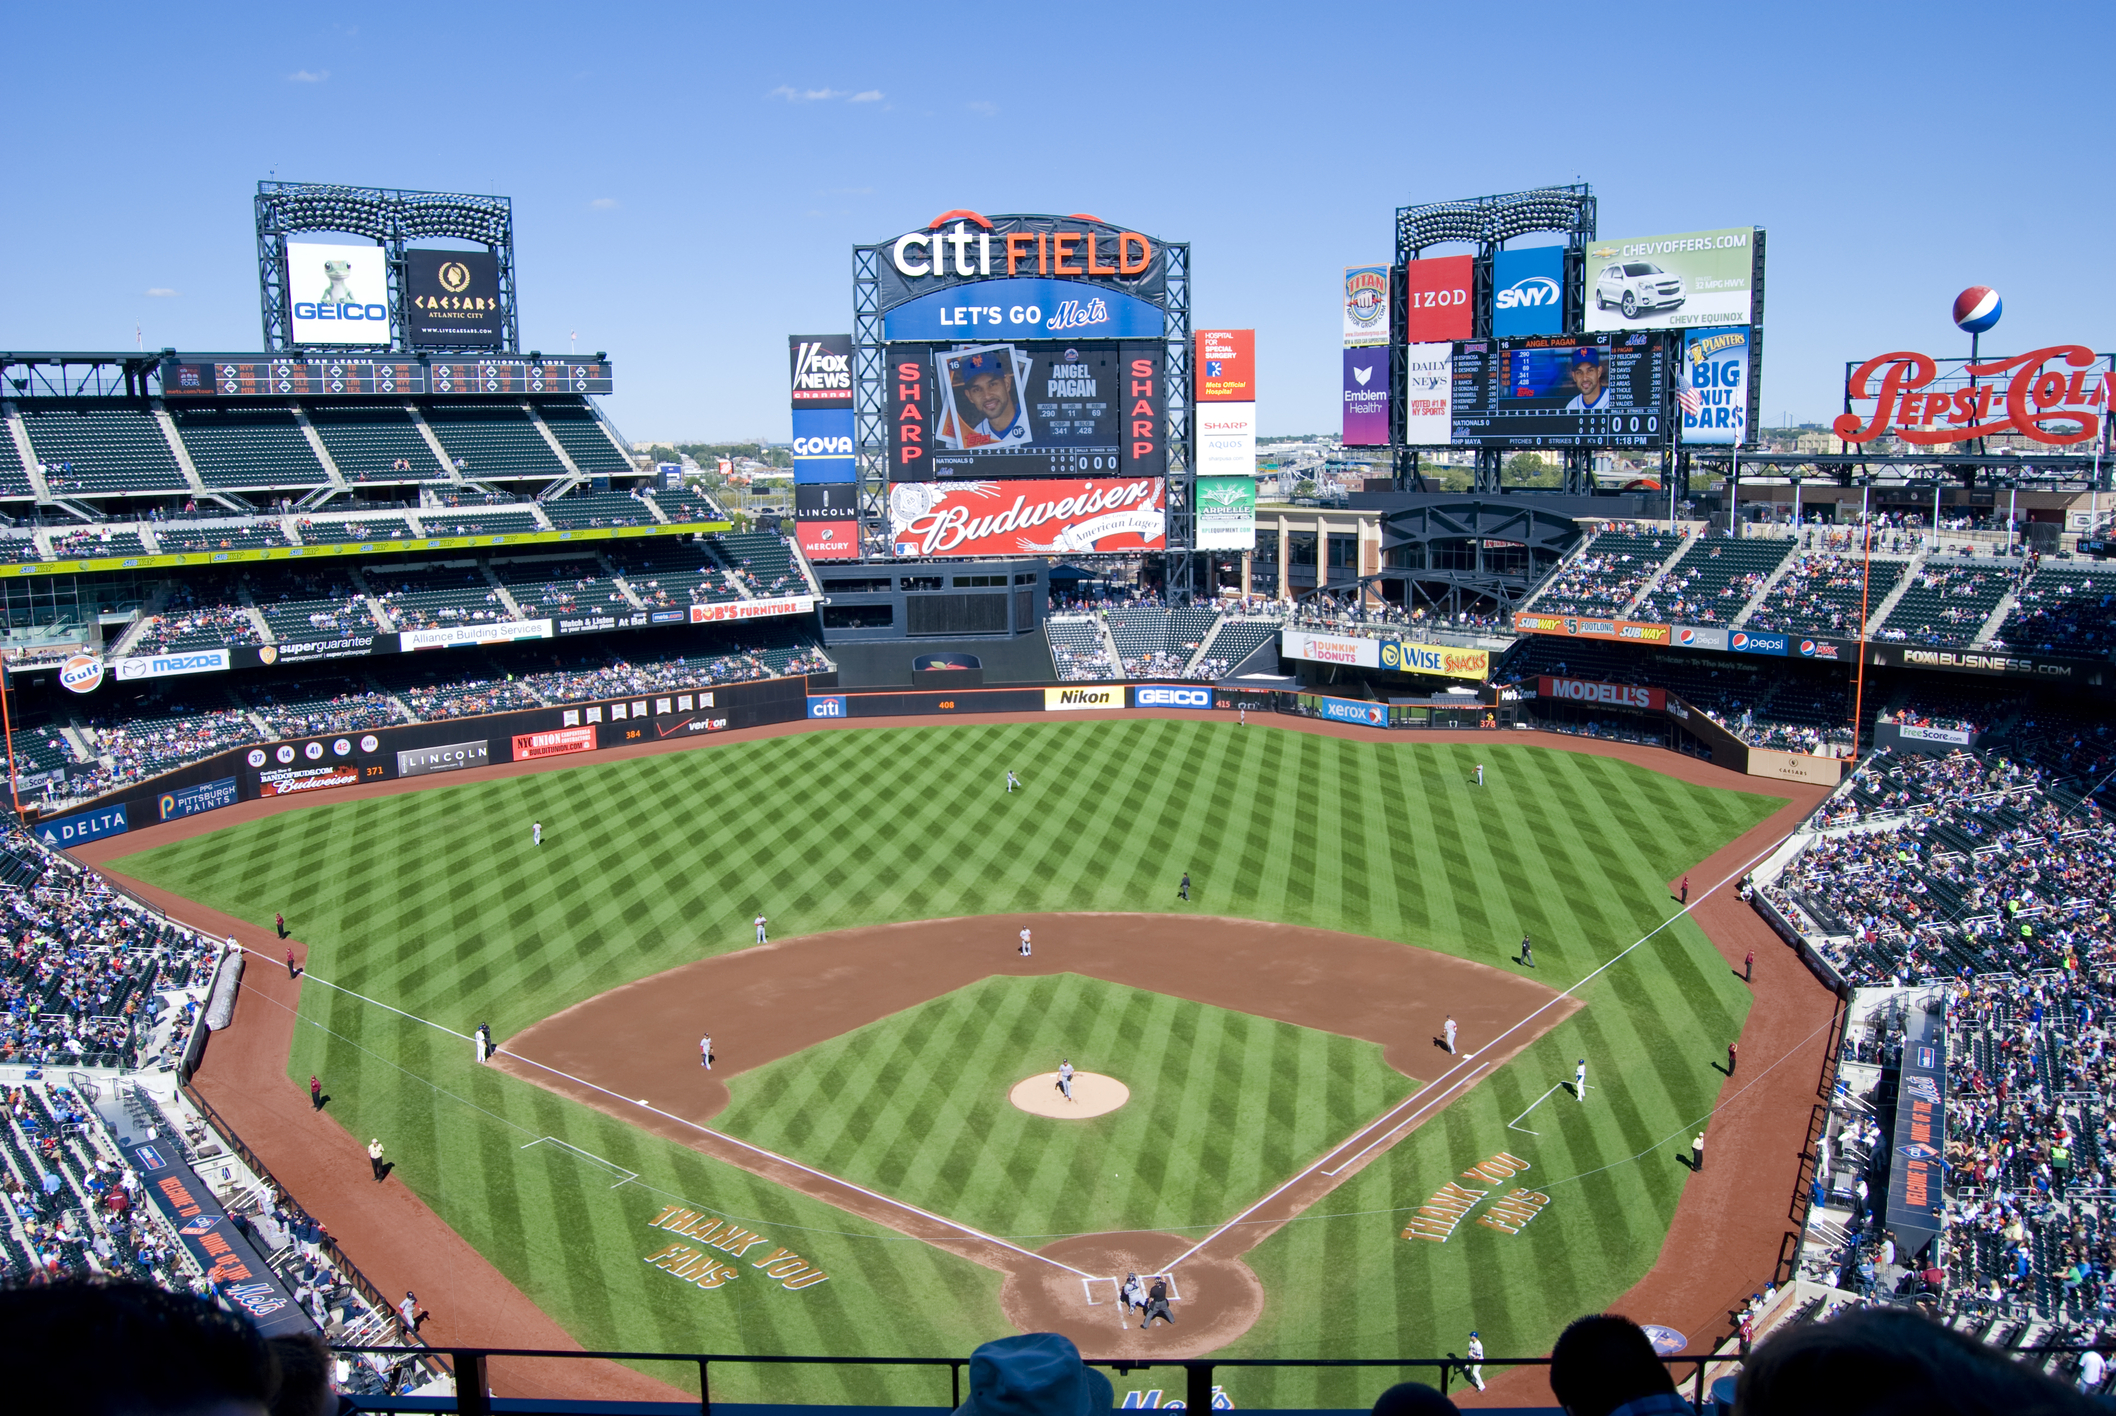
(822, 447)
(963, 243)
(2059, 383)
(342, 310)
(1175, 697)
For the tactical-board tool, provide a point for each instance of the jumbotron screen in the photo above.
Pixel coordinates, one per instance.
(1026, 408)
(1582, 390)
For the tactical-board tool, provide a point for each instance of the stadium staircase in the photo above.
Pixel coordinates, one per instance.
(1682, 548)
(1763, 592)
(2007, 603)
(574, 476)
(373, 601)
(1205, 645)
(514, 608)
(603, 563)
(182, 454)
(336, 482)
(1109, 647)
(19, 436)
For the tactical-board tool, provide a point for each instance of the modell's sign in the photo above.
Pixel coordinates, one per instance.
(2055, 396)
(1037, 518)
(1613, 695)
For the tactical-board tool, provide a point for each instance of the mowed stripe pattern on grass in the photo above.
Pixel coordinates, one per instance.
(436, 902)
(1223, 1106)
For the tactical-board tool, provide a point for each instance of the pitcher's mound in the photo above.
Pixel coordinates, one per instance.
(1093, 1095)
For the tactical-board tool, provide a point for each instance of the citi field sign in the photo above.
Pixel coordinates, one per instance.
(965, 275)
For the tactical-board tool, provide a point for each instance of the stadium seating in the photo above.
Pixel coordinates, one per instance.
(459, 684)
(490, 520)
(1606, 574)
(1237, 640)
(581, 434)
(198, 614)
(762, 560)
(310, 604)
(2063, 610)
(378, 527)
(433, 596)
(18, 550)
(109, 446)
(257, 535)
(682, 504)
(375, 443)
(1713, 581)
(94, 544)
(1947, 603)
(670, 573)
(247, 447)
(589, 509)
(310, 707)
(160, 734)
(561, 587)
(14, 479)
(1077, 648)
(492, 441)
(1821, 593)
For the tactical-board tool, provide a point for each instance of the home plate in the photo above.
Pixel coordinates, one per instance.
(1093, 1095)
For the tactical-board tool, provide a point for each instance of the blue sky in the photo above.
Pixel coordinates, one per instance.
(688, 180)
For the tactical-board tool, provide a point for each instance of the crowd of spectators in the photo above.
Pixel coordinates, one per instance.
(1825, 593)
(183, 619)
(2061, 610)
(1607, 574)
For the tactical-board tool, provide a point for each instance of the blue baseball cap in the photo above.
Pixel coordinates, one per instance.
(977, 366)
(1587, 355)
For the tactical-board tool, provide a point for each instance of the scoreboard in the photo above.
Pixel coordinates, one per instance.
(382, 375)
(1561, 391)
(1026, 408)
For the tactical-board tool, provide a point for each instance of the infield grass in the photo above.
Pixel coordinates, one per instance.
(436, 903)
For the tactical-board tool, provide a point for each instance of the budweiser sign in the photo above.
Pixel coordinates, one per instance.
(2054, 395)
(752, 609)
(1615, 695)
(1028, 518)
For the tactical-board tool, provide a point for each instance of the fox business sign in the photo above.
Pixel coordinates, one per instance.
(336, 294)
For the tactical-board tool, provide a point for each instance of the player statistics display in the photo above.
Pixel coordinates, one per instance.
(974, 412)
(1589, 390)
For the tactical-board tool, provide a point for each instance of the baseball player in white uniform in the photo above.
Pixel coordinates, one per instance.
(1024, 943)
(1449, 1028)
(536, 833)
(1012, 782)
(760, 929)
(1065, 1078)
(1579, 1080)
(705, 1052)
(1474, 1368)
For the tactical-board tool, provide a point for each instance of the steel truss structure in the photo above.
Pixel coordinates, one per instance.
(870, 394)
(2055, 472)
(1442, 551)
(1487, 223)
(393, 218)
(125, 374)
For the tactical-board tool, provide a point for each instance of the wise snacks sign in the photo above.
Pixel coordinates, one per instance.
(2055, 396)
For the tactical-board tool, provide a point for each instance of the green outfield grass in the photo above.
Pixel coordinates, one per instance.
(1223, 1106)
(436, 903)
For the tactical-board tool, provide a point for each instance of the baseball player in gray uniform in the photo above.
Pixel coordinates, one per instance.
(1065, 1078)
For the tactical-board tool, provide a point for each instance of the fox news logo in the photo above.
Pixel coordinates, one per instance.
(820, 370)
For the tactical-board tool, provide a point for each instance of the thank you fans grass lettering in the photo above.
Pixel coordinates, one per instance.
(1436, 1219)
(690, 1262)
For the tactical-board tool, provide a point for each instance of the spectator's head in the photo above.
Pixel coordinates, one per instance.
(1877, 1361)
(1413, 1399)
(126, 1349)
(1603, 1361)
(1037, 1374)
(304, 1376)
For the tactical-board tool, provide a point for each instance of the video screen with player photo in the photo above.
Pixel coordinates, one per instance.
(984, 398)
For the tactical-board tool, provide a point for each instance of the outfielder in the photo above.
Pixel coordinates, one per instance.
(1449, 1028)
(1480, 782)
(536, 833)
(760, 929)
(1012, 781)
(1474, 1368)
(705, 1052)
(1579, 1080)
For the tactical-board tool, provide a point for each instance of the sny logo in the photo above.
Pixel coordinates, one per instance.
(1534, 290)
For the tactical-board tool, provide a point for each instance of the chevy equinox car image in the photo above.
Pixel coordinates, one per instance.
(1636, 287)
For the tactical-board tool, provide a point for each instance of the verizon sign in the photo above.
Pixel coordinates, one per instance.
(1611, 695)
(1070, 517)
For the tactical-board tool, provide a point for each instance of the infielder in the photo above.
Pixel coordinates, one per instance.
(1024, 943)
(1449, 1028)
(536, 833)
(483, 1039)
(1065, 1078)
(1474, 1368)
(1012, 782)
(1579, 1080)
(705, 1052)
(760, 929)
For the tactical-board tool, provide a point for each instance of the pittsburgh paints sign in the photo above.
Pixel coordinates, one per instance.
(720, 1250)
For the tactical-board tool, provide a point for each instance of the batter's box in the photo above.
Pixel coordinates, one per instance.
(625, 1177)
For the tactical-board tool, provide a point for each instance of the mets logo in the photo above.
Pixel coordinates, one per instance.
(1918, 1150)
(202, 1225)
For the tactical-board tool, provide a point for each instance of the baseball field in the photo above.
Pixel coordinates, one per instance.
(851, 1177)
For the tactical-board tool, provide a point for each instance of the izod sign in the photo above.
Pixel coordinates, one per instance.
(2055, 395)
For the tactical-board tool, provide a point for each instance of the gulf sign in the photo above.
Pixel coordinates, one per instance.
(81, 673)
(1588, 627)
(1606, 695)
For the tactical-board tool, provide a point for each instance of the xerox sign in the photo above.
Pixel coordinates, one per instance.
(1157, 696)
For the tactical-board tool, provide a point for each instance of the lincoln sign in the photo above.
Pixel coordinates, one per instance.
(2055, 395)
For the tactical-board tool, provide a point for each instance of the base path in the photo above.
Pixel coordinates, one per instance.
(634, 1045)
